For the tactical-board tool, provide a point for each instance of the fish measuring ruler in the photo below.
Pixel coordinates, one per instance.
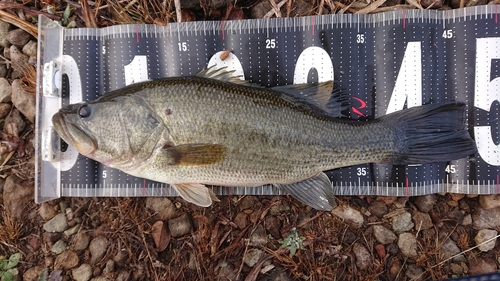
(385, 62)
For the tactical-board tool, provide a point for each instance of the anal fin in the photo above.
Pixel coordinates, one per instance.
(315, 192)
(195, 193)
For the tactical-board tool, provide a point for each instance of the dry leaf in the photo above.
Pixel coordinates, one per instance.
(161, 235)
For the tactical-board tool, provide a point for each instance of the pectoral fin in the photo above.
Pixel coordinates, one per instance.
(195, 154)
(315, 192)
(196, 193)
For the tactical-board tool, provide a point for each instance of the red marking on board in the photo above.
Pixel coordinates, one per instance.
(407, 188)
(496, 13)
(228, 190)
(362, 105)
(222, 30)
(404, 18)
(312, 20)
(137, 33)
(144, 187)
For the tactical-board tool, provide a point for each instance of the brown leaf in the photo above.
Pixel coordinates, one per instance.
(161, 235)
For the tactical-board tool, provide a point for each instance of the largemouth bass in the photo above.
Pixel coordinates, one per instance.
(215, 129)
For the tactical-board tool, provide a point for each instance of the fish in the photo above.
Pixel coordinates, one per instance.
(215, 129)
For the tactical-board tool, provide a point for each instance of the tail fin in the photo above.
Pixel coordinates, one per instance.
(431, 133)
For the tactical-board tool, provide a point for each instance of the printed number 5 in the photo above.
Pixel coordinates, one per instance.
(104, 174)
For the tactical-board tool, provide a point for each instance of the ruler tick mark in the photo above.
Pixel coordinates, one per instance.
(137, 33)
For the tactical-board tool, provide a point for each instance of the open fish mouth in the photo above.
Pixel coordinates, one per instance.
(73, 135)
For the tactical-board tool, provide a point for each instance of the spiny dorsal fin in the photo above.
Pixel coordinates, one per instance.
(223, 74)
(326, 96)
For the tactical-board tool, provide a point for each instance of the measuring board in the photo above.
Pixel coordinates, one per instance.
(384, 62)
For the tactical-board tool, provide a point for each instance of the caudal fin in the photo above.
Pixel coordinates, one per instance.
(431, 133)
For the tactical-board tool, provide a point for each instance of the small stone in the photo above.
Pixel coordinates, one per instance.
(489, 201)
(380, 249)
(32, 273)
(6, 53)
(18, 37)
(247, 202)
(252, 257)
(35, 242)
(392, 249)
(407, 244)
(16, 123)
(414, 272)
(484, 235)
(273, 226)
(82, 273)
(98, 247)
(4, 30)
(278, 209)
(383, 235)
(56, 224)
(434, 4)
(46, 211)
(17, 196)
(180, 226)
(123, 276)
(349, 237)
(425, 203)
(99, 278)
(241, 220)
(5, 90)
(110, 267)
(32, 61)
(23, 101)
(457, 196)
(81, 241)
(481, 266)
(59, 247)
(66, 260)
(363, 256)
(421, 220)
(450, 249)
(226, 270)
(162, 206)
(259, 236)
(402, 222)
(467, 220)
(72, 230)
(456, 269)
(378, 208)
(30, 48)
(486, 218)
(349, 214)
(121, 258)
(18, 59)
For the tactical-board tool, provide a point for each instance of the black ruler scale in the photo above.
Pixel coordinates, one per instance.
(385, 62)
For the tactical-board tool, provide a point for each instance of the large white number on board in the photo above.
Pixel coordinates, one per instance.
(137, 70)
(409, 81)
(486, 93)
(229, 60)
(317, 58)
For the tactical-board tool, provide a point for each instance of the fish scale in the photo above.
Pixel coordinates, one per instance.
(370, 57)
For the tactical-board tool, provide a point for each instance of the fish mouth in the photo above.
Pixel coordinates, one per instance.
(73, 135)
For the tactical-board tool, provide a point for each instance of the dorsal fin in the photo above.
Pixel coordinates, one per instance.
(223, 74)
(327, 96)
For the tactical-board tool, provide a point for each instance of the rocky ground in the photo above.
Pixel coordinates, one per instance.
(241, 238)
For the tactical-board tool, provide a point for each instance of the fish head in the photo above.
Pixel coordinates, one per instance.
(120, 132)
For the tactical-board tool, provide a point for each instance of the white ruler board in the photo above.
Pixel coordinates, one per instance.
(385, 62)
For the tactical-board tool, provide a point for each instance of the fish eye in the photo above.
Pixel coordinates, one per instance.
(84, 111)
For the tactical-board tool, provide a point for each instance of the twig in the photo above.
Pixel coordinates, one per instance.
(273, 11)
(309, 220)
(345, 8)
(415, 3)
(370, 8)
(14, 20)
(178, 12)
